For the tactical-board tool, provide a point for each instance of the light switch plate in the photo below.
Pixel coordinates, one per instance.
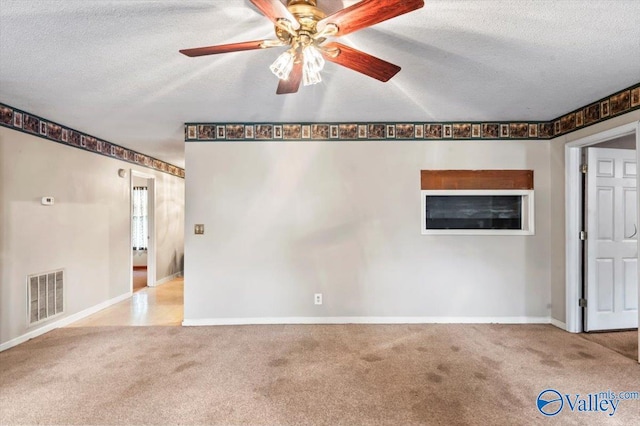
(199, 229)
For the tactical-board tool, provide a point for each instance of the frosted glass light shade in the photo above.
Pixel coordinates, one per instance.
(313, 63)
(283, 65)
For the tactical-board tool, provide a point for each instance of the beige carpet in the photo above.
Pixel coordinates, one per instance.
(309, 375)
(623, 342)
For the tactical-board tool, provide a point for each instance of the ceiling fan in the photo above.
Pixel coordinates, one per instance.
(305, 28)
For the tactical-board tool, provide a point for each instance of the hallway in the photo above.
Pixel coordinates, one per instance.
(162, 305)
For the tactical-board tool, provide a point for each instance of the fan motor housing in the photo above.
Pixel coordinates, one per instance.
(307, 13)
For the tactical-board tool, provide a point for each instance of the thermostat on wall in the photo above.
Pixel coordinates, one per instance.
(47, 201)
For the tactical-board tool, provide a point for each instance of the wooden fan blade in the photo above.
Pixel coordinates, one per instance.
(361, 62)
(292, 84)
(225, 48)
(367, 13)
(274, 10)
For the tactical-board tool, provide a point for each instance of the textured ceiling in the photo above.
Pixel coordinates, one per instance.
(111, 68)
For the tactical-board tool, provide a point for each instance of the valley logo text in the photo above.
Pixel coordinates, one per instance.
(551, 402)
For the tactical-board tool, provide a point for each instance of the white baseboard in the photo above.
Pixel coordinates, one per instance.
(558, 324)
(169, 278)
(366, 320)
(63, 321)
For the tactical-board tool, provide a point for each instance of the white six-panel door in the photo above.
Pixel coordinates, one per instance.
(611, 246)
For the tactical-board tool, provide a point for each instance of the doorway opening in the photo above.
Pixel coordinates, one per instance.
(139, 231)
(142, 214)
(578, 270)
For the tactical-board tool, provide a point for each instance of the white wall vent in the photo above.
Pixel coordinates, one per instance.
(45, 293)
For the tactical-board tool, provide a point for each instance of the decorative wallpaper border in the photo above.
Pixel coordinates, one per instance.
(604, 109)
(619, 103)
(16, 119)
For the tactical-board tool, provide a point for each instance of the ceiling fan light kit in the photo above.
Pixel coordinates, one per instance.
(305, 28)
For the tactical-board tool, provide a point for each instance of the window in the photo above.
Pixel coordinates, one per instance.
(140, 225)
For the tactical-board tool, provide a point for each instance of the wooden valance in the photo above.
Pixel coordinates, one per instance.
(476, 179)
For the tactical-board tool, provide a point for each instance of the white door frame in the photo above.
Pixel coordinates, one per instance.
(151, 212)
(573, 212)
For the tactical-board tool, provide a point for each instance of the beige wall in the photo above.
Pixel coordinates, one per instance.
(285, 220)
(86, 231)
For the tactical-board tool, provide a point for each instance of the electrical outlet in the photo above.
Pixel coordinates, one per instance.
(317, 298)
(199, 229)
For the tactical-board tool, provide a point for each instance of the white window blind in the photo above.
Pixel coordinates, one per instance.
(140, 231)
